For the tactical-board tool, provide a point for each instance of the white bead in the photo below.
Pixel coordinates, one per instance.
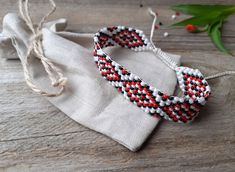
(104, 30)
(208, 88)
(162, 103)
(120, 84)
(166, 34)
(142, 83)
(152, 110)
(151, 88)
(96, 58)
(168, 102)
(95, 39)
(173, 17)
(158, 98)
(191, 101)
(131, 77)
(162, 113)
(181, 100)
(181, 82)
(180, 77)
(202, 100)
(176, 99)
(141, 32)
(146, 110)
(155, 93)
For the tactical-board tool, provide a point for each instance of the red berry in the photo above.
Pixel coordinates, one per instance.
(191, 28)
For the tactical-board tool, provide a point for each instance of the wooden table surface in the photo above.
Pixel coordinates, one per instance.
(35, 136)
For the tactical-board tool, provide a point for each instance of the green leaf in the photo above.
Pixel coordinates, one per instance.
(200, 10)
(197, 21)
(208, 18)
(215, 35)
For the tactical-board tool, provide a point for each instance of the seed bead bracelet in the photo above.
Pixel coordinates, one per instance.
(150, 99)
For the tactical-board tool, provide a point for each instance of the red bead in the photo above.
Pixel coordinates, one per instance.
(177, 13)
(103, 73)
(175, 119)
(156, 27)
(183, 119)
(165, 96)
(124, 71)
(142, 97)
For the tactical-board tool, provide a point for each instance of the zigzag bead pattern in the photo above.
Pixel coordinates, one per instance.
(151, 100)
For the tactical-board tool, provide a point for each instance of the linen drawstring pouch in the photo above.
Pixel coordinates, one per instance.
(86, 97)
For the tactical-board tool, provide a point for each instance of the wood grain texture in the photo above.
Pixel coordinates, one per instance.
(35, 136)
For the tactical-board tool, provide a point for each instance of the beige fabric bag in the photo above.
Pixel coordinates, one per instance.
(88, 98)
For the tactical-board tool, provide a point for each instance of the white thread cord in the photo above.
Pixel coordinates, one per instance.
(220, 74)
(36, 49)
(163, 56)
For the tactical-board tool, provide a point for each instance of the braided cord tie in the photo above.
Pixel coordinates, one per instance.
(36, 49)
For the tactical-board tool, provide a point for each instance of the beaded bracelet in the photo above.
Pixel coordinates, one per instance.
(154, 102)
